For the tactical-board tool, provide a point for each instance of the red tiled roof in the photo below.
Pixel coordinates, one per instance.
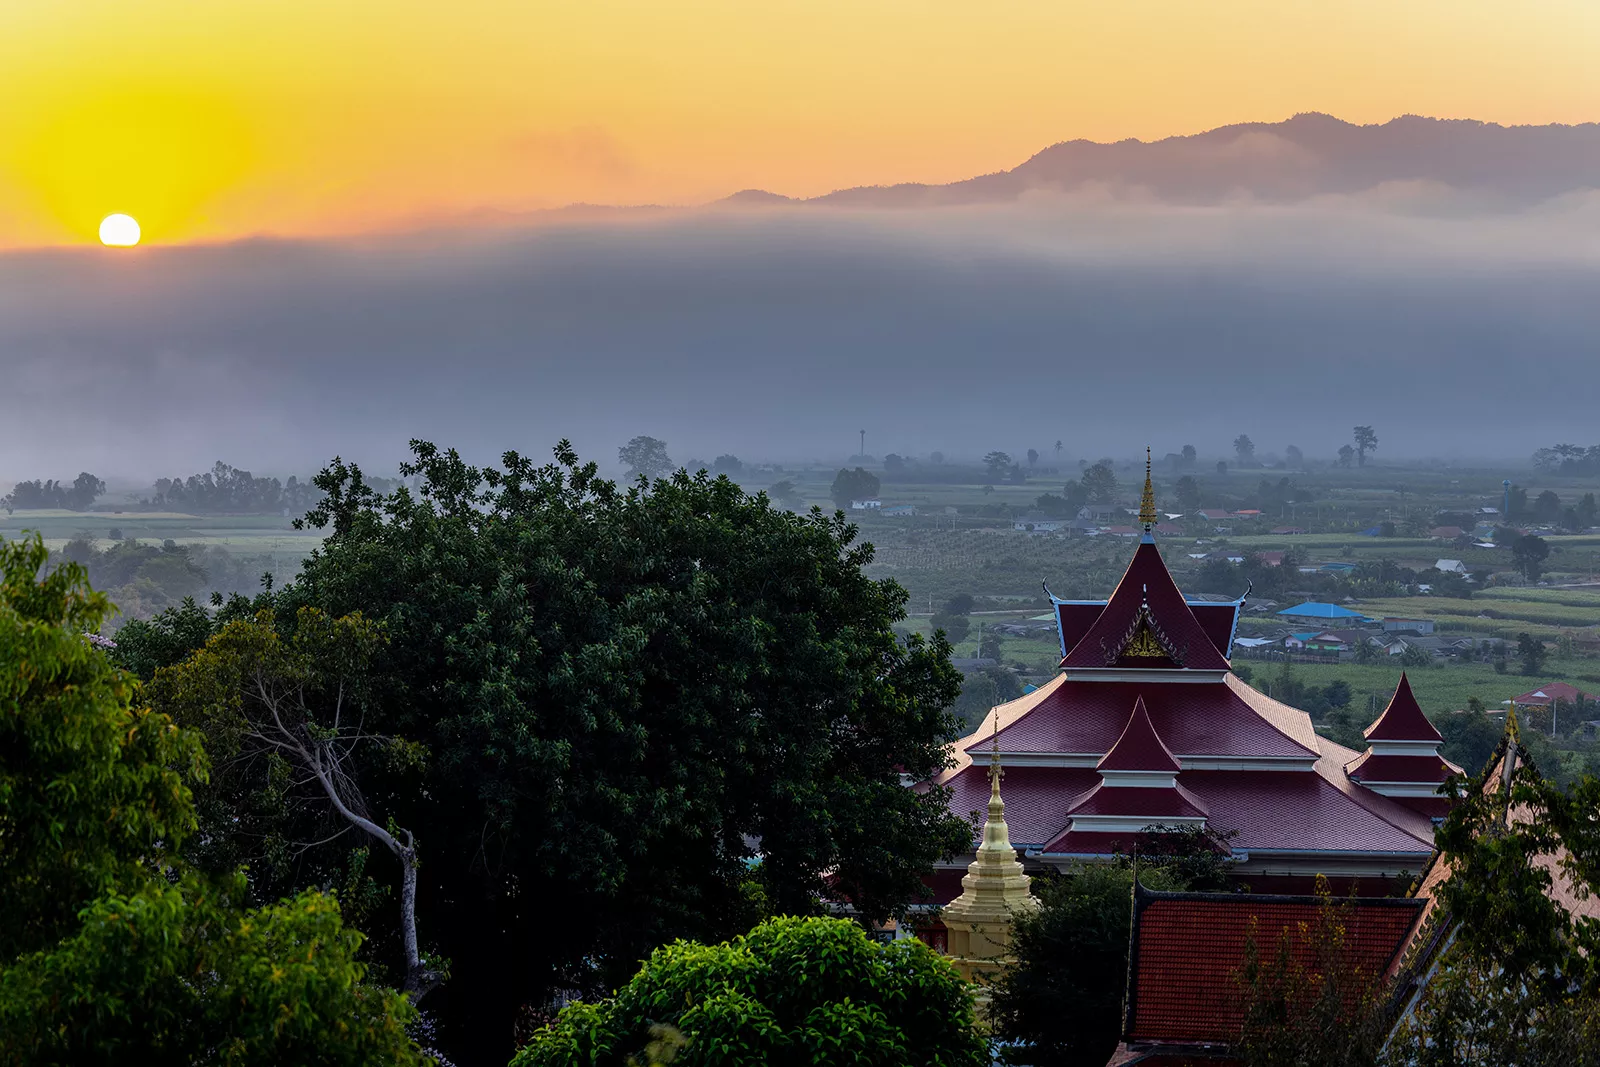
(1402, 720)
(1139, 748)
(1153, 804)
(1037, 798)
(1217, 620)
(1288, 810)
(1219, 719)
(1554, 691)
(1374, 768)
(1075, 620)
(1146, 581)
(1188, 947)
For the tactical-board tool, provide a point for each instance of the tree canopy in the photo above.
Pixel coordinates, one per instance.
(644, 713)
(791, 992)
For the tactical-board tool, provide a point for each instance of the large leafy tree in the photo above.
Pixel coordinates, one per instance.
(110, 952)
(647, 713)
(792, 992)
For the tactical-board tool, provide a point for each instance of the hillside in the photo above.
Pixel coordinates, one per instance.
(1305, 156)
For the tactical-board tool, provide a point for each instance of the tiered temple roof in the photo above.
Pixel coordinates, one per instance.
(1146, 694)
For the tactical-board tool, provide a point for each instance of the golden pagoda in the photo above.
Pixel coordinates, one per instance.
(993, 891)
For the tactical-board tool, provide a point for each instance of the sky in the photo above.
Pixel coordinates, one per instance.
(214, 121)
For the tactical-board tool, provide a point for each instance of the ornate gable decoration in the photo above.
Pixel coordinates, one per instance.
(1144, 639)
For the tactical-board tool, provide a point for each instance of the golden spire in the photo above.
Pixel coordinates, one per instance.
(1147, 506)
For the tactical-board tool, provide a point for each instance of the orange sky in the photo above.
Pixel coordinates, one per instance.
(208, 119)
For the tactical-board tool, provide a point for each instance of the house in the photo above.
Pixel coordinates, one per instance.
(1337, 568)
(1101, 514)
(1039, 524)
(1121, 531)
(1446, 533)
(901, 511)
(1314, 611)
(1287, 531)
(1213, 514)
(1488, 512)
(1254, 644)
(1451, 566)
(1270, 559)
(866, 505)
(1405, 624)
(1543, 696)
(1248, 513)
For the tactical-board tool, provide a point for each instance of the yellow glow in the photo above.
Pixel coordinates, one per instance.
(216, 120)
(119, 230)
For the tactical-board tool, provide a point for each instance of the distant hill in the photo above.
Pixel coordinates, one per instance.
(1308, 155)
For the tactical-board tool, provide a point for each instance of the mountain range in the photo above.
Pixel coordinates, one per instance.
(1308, 155)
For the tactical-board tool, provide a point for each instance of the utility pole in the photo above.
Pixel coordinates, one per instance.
(863, 452)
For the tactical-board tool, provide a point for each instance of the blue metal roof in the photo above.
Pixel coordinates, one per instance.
(1313, 610)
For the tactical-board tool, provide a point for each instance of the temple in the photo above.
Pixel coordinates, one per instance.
(1146, 726)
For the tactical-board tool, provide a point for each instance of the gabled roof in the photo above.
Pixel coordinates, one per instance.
(1402, 720)
(1187, 947)
(1146, 603)
(1140, 747)
(1554, 691)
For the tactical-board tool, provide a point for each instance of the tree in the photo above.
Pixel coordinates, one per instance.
(1519, 983)
(1528, 554)
(1416, 656)
(267, 704)
(52, 494)
(645, 457)
(1245, 449)
(1532, 653)
(620, 691)
(1547, 507)
(1033, 457)
(1187, 491)
(785, 495)
(1058, 450)
(1366, 441)
(894, 463)
(1189, 455)
(1347, 455)
(727, 464)
(1586, 511)
(111, 952)
(989, 646)
(853, 485)
(793, 991)
(1296, 458)
(1222, 466)
(997, 464)
(1338, 693)
(1099, 483)
(94, 787)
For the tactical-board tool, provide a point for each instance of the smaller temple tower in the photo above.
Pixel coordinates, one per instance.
(992, 892)
(1402, 759)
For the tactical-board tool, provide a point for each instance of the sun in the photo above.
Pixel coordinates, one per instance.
(119, 230)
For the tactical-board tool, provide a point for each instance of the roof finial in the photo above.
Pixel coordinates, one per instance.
(995, 772)
(1147, 506)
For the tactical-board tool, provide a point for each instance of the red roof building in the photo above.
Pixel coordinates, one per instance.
(1402, 758)
(1145, 683)
(1543, 696)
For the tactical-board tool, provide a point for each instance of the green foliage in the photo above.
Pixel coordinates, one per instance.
(620, 691)
(52, 494)
(1520, 983)
(851, 485)
(1532, 653)
(109, 954)
(92, 789)
(1528, 554)
(1099, 484)
(277, 985)
(793, 991)
(645, 457)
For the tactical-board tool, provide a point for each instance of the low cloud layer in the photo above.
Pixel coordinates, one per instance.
(778, 334)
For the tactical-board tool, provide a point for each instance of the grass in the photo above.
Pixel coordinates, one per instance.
(1439, 689)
